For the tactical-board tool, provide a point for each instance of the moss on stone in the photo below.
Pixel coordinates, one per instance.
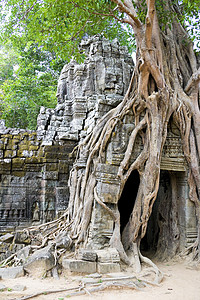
(18, 173)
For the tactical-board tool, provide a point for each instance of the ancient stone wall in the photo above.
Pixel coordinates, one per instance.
(33, 178)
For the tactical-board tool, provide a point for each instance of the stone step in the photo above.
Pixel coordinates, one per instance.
(79, 266)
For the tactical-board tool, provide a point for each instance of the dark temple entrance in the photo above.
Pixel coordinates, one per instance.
(127, 199)
(164, 230)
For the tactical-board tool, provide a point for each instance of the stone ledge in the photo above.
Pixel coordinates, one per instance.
(104, 268)
(79, 266)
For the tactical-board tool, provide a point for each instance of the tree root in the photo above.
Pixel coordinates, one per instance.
(130, 282)
(126, 282)
(158, 273)
(46, 293)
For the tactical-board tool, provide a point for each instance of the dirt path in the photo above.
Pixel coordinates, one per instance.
(180, 283)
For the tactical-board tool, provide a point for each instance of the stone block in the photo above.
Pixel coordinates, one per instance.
(13, 272)
(88, 255)
(40, 262)
(3, 247)
(17, 163)
(24, 253)
(79, 266)
(104, 268)
(108, 192)
(109, 255)
(21, 237)
(51, 167)
(51, 175)
(8, 237)
(10, 153)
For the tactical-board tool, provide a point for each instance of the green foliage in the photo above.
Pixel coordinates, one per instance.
(29, 83)
(190, 16)
(60, 25)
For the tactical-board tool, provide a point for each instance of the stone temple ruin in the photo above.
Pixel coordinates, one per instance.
(35, 165)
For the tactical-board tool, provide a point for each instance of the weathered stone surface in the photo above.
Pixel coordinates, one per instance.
(7, 238)
(109, 255)
(63, 241)
(12, 272)
(24, 253)
(88, 255)
(104, 268)
(21, 237)
(79, 266)
(40, 262)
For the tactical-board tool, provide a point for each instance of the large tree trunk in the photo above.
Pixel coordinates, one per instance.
(164, 85)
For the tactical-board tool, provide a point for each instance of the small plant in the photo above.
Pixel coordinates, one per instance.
(9, 290)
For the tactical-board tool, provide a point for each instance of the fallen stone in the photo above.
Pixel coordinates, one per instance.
(3, 247)
(24, 253)
(87, 255)
(40, 262)
(8, 237)
(19, 287)
(79, 266)
(12, 272)
(105, 268)
(21, 237)
(2, 287)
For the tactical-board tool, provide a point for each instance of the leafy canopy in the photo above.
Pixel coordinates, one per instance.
(59, 25)
(27, 81)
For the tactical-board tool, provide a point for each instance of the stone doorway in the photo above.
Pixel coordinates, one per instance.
(171, 218)
(127, 199)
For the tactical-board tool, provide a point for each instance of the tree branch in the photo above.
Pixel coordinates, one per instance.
(194, 79)
(129, 10)
(149, 21)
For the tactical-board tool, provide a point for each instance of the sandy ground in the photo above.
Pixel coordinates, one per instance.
(180, 283)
